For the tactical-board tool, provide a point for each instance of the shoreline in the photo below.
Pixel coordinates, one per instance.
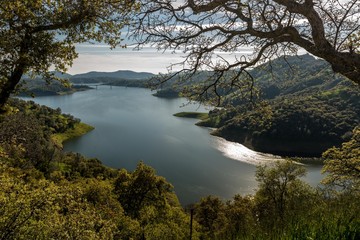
(195, 115)
(79, 130)
(240, 152)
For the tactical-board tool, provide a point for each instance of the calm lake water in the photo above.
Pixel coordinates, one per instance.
(131, 125)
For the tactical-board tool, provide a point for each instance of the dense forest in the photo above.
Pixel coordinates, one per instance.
(302, 108)
(293, 106)
(49, 194)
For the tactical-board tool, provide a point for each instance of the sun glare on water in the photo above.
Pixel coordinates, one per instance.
(241, 153)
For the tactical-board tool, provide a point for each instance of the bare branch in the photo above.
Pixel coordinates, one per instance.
(202, 29)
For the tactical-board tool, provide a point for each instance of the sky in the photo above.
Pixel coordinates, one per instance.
(99, 57)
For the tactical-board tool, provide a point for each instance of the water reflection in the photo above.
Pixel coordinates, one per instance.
(241, 153)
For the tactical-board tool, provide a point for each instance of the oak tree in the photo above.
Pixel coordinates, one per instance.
(207, 30)
(210, 214)
(141, 189)
(342, 164)
(278, 186)
(38, 34)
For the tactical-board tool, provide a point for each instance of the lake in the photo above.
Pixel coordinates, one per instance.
(131, 125)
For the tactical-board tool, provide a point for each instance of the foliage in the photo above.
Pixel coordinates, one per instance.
(149, 199)
(74, 166)
(48, 194)
(39, 87)
(51, 120)
(22, 138)
(229, 38)
(197, 115)
(141, 189)
(284, 207)
(240, 218)
(281, 194)
(343, 164)
(26, 137)
(210, 214)
(78, 130)
(307, 109)
(167, 93)
(40, 208)
(38, 34)
(80, 198)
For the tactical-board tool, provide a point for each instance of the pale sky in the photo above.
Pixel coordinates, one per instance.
(101, 58)
(96, 57)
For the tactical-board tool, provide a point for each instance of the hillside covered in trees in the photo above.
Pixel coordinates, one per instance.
(303, 108)
(49, 194)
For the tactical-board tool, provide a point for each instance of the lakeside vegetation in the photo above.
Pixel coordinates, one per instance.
(299, 107)
(40, 87)
(51, 194)
(303, 109)
(197, 115)
(167, 93)
(78, 130)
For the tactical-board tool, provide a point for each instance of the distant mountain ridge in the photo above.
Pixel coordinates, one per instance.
(121, 74)
(40, 87)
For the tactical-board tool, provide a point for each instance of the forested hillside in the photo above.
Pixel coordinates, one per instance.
(294, 106)
(303, 109)
(118, 78)
(39, 87)
(121, 74)
(49, 194)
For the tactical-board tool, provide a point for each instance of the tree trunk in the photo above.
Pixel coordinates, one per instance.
(347, 64)
(344, 63)
(19, 68)
(9, 86)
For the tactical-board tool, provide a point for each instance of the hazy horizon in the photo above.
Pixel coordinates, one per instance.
(100, 58)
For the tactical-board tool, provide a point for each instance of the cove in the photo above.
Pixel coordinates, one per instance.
(131, 125)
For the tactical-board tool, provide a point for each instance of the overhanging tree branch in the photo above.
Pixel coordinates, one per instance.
(202, 28)
(30, 30)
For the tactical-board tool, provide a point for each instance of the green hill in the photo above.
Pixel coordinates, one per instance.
(39, 87)
(307, 109)
(92, 77)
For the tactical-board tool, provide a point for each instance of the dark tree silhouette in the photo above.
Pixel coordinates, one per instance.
(329, 29)
(37, 34)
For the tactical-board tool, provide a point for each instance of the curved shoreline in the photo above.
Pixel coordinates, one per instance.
(78, 130)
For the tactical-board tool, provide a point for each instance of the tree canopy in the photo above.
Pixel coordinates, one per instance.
(208, 30)
(38, 34)
(46, 193)
(343, 164)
